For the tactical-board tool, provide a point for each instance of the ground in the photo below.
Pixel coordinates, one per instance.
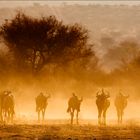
(68, 132)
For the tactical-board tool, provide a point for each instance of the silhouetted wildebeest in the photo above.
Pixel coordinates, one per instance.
(2, 95)
(74, 105)
(41, 104)
(120, 103)
(102, 103)
(8, 108)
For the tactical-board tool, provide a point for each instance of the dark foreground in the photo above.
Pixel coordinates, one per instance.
(67, 132)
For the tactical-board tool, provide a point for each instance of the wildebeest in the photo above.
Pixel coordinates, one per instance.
(6, 106)
(2, 95)
(41, 104)
(102, 103)
(120, 103)
(74, 105)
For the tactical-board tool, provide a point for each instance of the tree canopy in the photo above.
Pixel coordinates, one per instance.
(36, 42)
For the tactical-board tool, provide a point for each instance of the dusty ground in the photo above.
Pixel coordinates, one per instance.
(68, 132)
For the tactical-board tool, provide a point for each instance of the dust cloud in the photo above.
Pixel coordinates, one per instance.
(25, 93)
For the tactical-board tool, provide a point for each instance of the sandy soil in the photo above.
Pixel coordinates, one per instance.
(68, 132)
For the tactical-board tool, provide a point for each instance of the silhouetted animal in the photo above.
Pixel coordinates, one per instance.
(74, 105)
(103, 104)
(8, 108)
(41, 104)
(2, 95)
(120, 103)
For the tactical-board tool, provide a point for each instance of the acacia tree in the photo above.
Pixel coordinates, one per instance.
(38, 42)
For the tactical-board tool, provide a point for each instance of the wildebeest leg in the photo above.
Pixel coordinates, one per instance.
(104, 117)
(121, 114)
(77, 117)
(2, 115)
(38, 115)
(5, 115)
(8, 116)
(99, 116)
(43, 114)
(72, 115)
(1, 118)
(118, 115)
(12, 114)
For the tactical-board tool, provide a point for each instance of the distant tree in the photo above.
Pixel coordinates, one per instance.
(130, 52)
(38, 42)
(127, 58)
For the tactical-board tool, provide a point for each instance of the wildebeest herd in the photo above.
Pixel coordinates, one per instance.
(7, 106)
